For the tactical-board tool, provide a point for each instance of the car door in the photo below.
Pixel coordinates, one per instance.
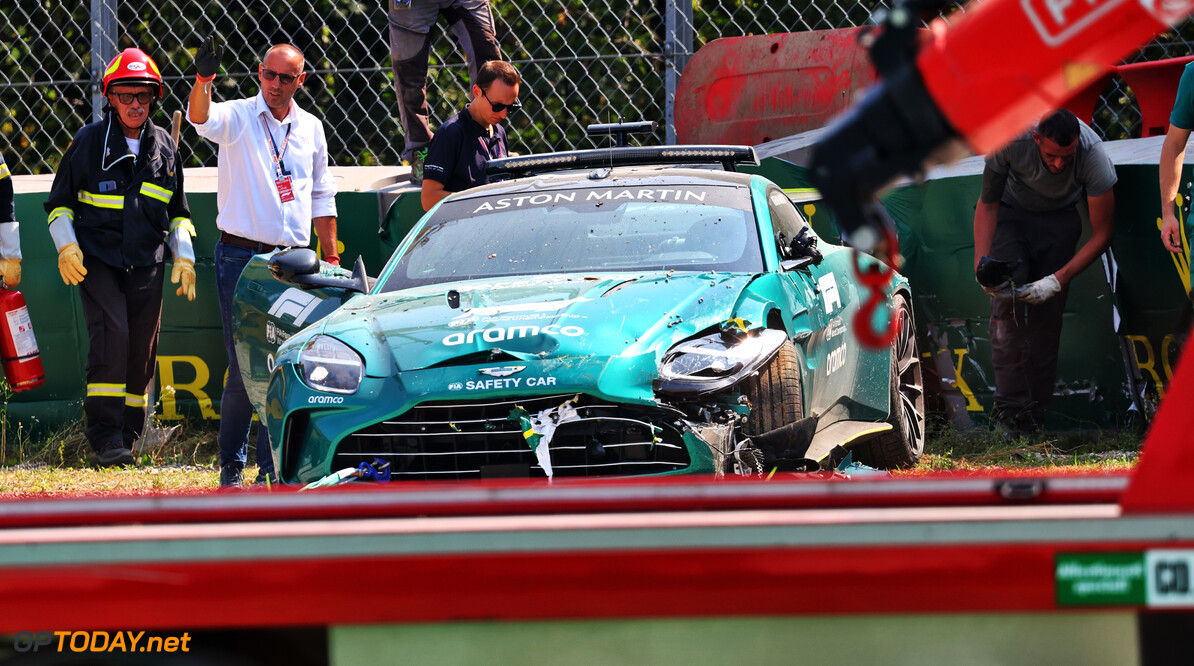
(830, 380)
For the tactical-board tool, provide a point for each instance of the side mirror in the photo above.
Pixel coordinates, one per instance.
(795, 264)
(804, 245)
(300, 266)
(288, 264)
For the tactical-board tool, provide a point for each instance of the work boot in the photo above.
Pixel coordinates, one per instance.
(111, 455)
(231, 476)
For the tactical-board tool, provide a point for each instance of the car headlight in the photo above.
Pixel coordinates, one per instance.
(330, 365)
(717, 361)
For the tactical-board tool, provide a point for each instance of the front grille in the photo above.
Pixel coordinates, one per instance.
(476, 439)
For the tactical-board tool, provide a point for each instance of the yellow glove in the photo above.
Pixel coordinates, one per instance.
(70, 264)
(10, 269)
(184, 269)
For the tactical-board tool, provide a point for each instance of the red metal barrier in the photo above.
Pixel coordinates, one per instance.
(1155, 86)
(749, 90)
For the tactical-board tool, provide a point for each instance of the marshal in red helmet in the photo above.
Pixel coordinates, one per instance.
(132, 66)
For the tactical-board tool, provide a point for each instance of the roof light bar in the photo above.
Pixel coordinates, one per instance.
(727, 156)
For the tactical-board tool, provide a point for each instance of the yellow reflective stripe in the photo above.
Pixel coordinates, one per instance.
(156, 192)
(4, 172)
(131, 400)
(185, 223)
(105, 390)
(113, 201)
(113, 68)
(63, 211)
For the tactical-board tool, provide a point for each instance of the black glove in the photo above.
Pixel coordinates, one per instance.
(207, 57)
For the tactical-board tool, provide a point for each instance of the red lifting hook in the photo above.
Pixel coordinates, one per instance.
(875, 279)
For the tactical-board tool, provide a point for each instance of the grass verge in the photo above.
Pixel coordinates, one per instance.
(184, 458)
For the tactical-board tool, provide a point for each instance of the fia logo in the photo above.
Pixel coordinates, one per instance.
(296, 303)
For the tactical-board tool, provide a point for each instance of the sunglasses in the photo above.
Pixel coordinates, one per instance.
(270, 75)
(142, 97)
(498, 107)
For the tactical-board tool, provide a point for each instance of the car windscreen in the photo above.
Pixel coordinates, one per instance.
(598, 230)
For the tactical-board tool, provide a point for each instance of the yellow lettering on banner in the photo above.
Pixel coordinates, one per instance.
(971, 404)
(1168, 342)
(339, 247)
(195, 388)
(1149, 365)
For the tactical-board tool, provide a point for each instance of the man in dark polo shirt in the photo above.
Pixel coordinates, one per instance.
(1028, 216)
(460, 149)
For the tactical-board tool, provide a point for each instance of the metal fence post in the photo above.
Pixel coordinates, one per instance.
(677, 47)
(103, 49)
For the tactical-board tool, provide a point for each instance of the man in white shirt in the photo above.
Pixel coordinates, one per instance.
(273, 184)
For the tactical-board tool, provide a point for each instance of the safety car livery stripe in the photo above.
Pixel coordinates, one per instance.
(105, 390)
(132, 400)
(156, 192)
(185, 223)
(61, 211)
(112, 201)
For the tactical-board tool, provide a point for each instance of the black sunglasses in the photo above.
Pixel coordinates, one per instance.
(270, 75)
(499, 107)
(142, 97)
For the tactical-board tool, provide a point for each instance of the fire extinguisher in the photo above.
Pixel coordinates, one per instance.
(18, 347)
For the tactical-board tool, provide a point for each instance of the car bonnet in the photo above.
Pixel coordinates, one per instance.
(540, 316)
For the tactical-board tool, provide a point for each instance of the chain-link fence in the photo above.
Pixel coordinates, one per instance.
(582, 62)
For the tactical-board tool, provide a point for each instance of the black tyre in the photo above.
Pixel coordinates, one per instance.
(903, 446)
(776, 394)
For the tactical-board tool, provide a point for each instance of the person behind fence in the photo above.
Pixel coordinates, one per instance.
(116, 204)
(273, 184)
(10, 231)
(1028, 216)
(411, 21)
(463, 146)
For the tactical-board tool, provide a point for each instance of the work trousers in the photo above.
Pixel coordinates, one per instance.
(123, 312)
(236, 412)
(470, 21)
(1025, 337)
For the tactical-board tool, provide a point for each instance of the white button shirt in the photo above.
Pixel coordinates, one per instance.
(247, 197)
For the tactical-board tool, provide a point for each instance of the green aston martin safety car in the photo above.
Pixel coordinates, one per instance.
(608, 312)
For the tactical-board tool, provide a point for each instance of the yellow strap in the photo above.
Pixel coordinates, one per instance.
(106, 390)
(185, 223)
(156, 192)
(131, 400)
(62, 211)
(112, 201)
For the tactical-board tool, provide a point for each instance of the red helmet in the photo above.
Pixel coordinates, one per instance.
(132, 66)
